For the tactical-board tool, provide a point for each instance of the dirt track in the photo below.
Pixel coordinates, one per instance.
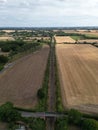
(78, 69)
(21, 82)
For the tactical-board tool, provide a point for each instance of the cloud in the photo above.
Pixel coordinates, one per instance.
(48, 12)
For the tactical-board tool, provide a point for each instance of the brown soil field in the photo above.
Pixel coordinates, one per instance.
(3, 126)
(88, 41)
(20, 83)
(64, 39)
(7, 38)
(78, 72)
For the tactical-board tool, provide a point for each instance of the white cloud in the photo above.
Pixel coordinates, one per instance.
(49, 12)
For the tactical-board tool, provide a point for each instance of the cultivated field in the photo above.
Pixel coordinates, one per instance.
(78, 72)
(86, 32)
(20, 83)
(64, 39)
(7, 39)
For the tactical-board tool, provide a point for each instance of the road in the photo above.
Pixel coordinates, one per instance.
(42, 114)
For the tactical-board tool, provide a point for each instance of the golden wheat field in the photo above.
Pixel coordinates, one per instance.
(7, 39)
(64, 39)
(78, 72)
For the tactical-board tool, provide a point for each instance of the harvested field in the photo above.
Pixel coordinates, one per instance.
(88, 41)
(7, 38)
(86, 32)
(64, 39)
(78, 71)
(9, 31)
(20, 83)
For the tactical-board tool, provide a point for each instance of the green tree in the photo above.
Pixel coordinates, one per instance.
(3, 59)
(8, 113)
(74, 116)
(36, 123)
(89, 124)
(61, 124)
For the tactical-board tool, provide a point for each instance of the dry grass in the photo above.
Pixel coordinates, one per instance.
(9, 31)
(78, 70)
(7, 38)
(64, 39)
(20, 83)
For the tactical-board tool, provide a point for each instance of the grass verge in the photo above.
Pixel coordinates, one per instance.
(42, 103)
(59, 104)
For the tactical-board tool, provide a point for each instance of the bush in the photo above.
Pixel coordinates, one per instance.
(40, 93)
(3, 59)
(61, 124)
(1, 67)
(89, 124)
(5, 49)
(37, 124)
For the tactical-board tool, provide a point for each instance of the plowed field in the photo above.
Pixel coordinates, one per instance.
(20, 83)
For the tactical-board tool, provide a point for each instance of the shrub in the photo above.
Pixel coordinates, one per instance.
(61, 124)
(3, 59)
(40, 93)
(1, 67)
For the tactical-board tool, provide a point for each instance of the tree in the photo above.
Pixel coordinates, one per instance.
(89, 124)
(37, 124)
(8, 113)
(61, 124)
(74, 116)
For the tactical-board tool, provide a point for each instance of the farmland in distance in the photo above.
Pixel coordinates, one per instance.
(64, 39)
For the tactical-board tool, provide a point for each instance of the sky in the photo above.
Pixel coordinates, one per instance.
(48, 13)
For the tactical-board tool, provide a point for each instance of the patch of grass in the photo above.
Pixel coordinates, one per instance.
(59, 104)
(42, 102)
(77, 37)
(92, 36)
